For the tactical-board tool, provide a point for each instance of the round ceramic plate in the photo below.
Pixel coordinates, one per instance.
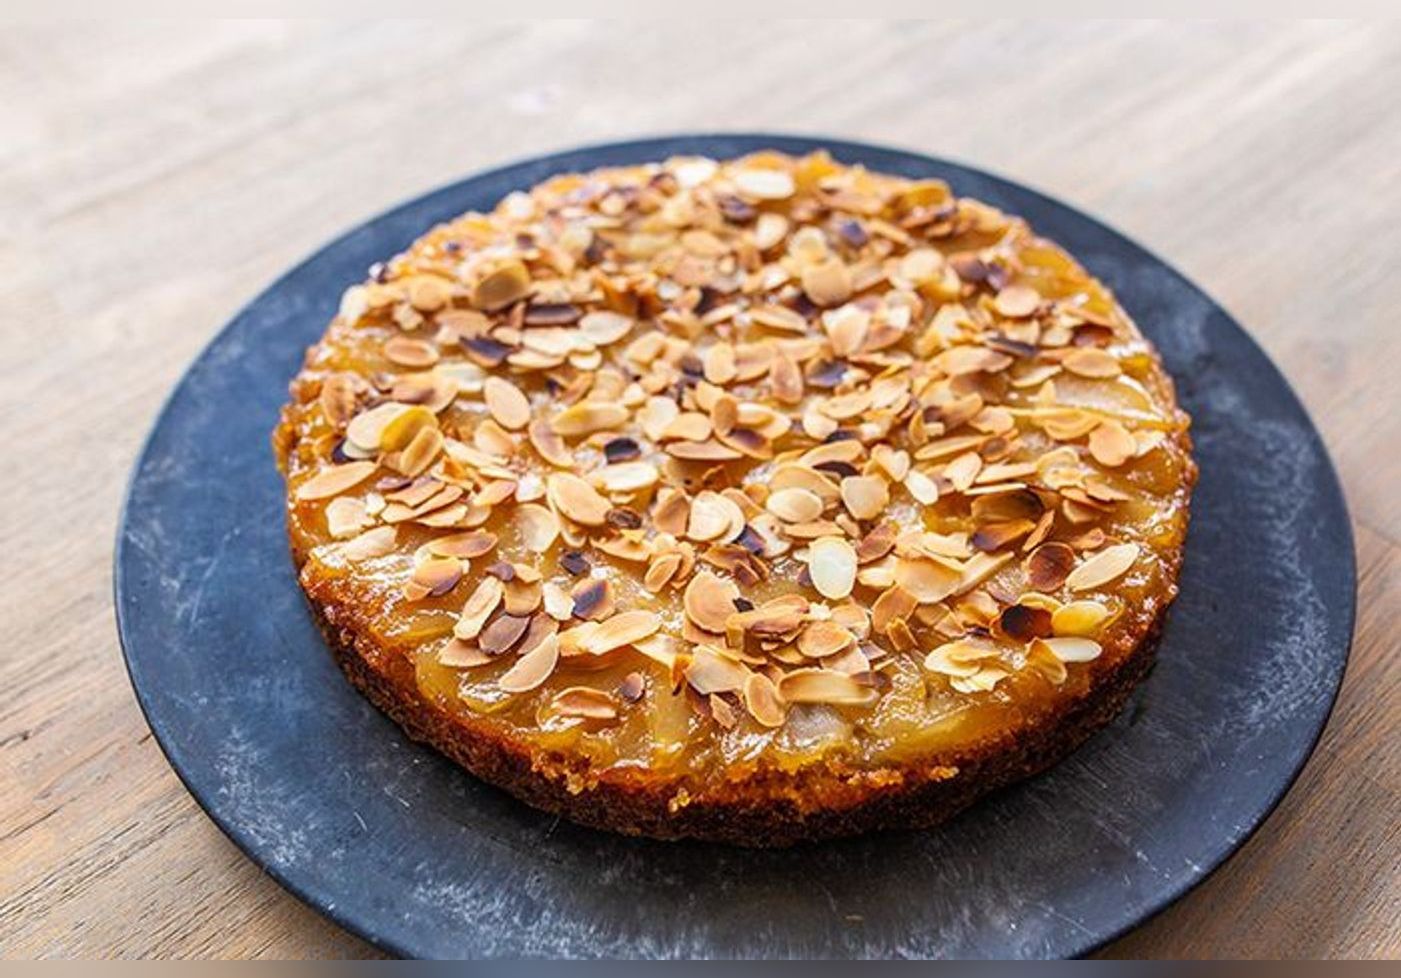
(398, 845)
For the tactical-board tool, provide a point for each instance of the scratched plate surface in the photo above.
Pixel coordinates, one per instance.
(395, 843)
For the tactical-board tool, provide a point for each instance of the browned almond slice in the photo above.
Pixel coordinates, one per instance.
(550, 444)
(894, 604)
(502, 633)
(1090, 362)
(795, 505)
(825, 686)
(437, 575)
(584, 703)
(428, 293)
(603, 327)
(576, 499)
(926, 580)
(762, 701)
(334, 480)
(372, 543)
(709, 601)
(1071, 648)
(1017, 301)
(477, 543)
(714, 517)
(408, 352)
(479, 606)
(507, 404)
(620, 630)
(538, 527)
(959, 658)
(1081, 618)
(507, 283)
(702, 451)
(346, 517)
(532, 668)
(626, 477)
(823, 638)
(458, 654)
(1049, 565)
(1112, 444)
(832, 566)
(865, 496)
(827, 283)
(587, 417)
(710, 672)
(1105, 566)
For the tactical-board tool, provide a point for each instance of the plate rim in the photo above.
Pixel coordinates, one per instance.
(1164, 899)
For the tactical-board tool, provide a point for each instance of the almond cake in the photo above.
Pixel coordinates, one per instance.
(754, 501)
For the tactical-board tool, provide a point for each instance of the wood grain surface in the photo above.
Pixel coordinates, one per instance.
(155, 177)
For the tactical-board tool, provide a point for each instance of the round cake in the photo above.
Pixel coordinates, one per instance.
(754, 501)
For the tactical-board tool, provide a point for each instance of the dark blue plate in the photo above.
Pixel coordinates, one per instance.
(395, 843)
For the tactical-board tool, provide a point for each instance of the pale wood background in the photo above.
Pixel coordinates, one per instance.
(153, 178)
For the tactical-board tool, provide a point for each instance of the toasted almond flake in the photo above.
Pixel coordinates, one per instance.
(437, 575)
(924, 490)
(1112, 444)
(714, 517)
(338, 397)
(538, 527)
(626, 477)
(959, 658)
(506, 284)
(346, 517)
(1017, 301)
(762, 701)
(604, 328)
(688, 426)
(825, 686)
(558, 603)
(377, 542)
(1072, 649)
(584, 703)
(710, 672)
(587, 417)
(926, 580)
(479, 605)
(502, 633)
(865, 496)
(764, 184)
(576, 499)
(1048, 566)
(821, 639)
(1087, 361)
(709, 601)
(550, 445)
(702, 451)
(827, 283)
(1105, 566)
(457, 654)
(532, 668)
(620, 630)
(507, 404)
(408, 352)
(334, 480)
(795, 505)
(832, 566)
(1081, 618)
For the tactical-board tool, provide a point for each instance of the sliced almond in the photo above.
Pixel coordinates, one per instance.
(532, 668)
(587, 417)
(620, 630)
(832, 566)
(582, 702)
(714, 517)
(762, 701)
(821, 639)
(1112, 444)
(795, 505)
(865, 496)
(927, 581)
(1087, 361)
(709, 601)
(710, 672)
(1105, 566)
(1017, 301)
(334, 480)
(1072, 649)
(1081, 618)
(480, 604)
(377, 542)
(576, 499)
(507, 404)
(825, 686)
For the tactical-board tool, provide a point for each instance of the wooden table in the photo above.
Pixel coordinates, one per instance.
(153, 178)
